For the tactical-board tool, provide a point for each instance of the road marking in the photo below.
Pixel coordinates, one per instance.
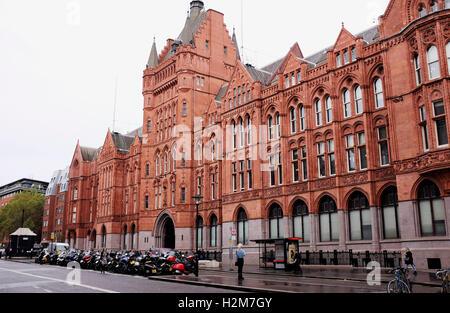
(59, 280)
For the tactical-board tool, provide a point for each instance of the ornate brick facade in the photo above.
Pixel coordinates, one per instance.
(347, 148)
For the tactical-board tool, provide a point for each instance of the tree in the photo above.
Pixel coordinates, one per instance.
(31, 204)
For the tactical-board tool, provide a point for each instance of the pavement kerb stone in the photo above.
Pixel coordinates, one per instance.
(230, 287)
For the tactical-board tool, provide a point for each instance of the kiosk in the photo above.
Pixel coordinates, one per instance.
(277, 253)
(22, 241)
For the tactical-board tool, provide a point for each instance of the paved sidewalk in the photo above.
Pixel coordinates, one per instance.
(317, 279)
(271, 284)
(423, 278)
(282, 282)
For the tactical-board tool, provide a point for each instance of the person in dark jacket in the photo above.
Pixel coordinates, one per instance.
(409, 260)
(297, 262)
(240, 254)
(103, 261)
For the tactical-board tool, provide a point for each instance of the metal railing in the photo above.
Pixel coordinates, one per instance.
(206, 255)
(359, 259)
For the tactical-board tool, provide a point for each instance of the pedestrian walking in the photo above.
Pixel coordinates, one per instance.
(409, 260)
(240, 253)
(103, 261)
(297, 262)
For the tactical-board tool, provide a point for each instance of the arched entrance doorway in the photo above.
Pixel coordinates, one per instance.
(168, 235)
(165, 232)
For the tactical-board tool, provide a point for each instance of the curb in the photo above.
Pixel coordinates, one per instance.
(229, 287)
(333, 278)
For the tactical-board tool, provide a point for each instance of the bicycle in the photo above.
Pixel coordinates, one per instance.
(400, 284)
(444, 275)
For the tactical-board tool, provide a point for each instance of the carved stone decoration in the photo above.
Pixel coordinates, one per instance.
(429, 35)
(273, 192)
(424, 163)
(385, 173)
(413, 46)
(298, 188)
(446, 30)
(325, 183)
(354, 179)
(245, 196)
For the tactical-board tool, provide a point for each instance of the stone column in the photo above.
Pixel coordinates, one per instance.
(407, 221)
(315, 229)
(375, 229)
(288, 229)
(342, 230)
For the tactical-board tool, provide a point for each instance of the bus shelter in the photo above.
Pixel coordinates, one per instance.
(277, 253)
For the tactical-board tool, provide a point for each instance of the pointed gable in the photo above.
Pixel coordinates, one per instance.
(294, 52)
(344, 40)
(242, 75)
(398, 14)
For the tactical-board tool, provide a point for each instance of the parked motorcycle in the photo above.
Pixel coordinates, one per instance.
(185, 266)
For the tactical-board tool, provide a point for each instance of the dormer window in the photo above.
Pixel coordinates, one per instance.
(207, 44)
(287, 81)
(433, 6)
(299, 75)
(422, 10)
(292, 79)
(338, 60)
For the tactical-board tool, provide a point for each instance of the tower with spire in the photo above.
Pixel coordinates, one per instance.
(180, 84)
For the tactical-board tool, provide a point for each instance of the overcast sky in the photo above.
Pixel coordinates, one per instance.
(60, 60)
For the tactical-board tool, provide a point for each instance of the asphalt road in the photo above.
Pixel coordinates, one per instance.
(27, 277)
(34, 278)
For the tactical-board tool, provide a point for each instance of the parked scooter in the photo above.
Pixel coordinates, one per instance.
(186, 266)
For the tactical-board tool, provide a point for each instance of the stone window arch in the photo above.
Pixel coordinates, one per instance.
(359, 217)
(301, 220)
(431, 210)
(389, 208)
(276, 226)
(242, 227)
(328, 220)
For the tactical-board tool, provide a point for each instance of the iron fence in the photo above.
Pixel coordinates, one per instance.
(207, 255)
(359, 259)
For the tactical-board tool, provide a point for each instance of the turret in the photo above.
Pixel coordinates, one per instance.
(196, 7)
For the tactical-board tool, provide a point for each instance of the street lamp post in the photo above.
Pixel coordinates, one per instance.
(197, 198)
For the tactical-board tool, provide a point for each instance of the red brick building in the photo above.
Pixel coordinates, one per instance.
(347, 148)
(55, 206)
